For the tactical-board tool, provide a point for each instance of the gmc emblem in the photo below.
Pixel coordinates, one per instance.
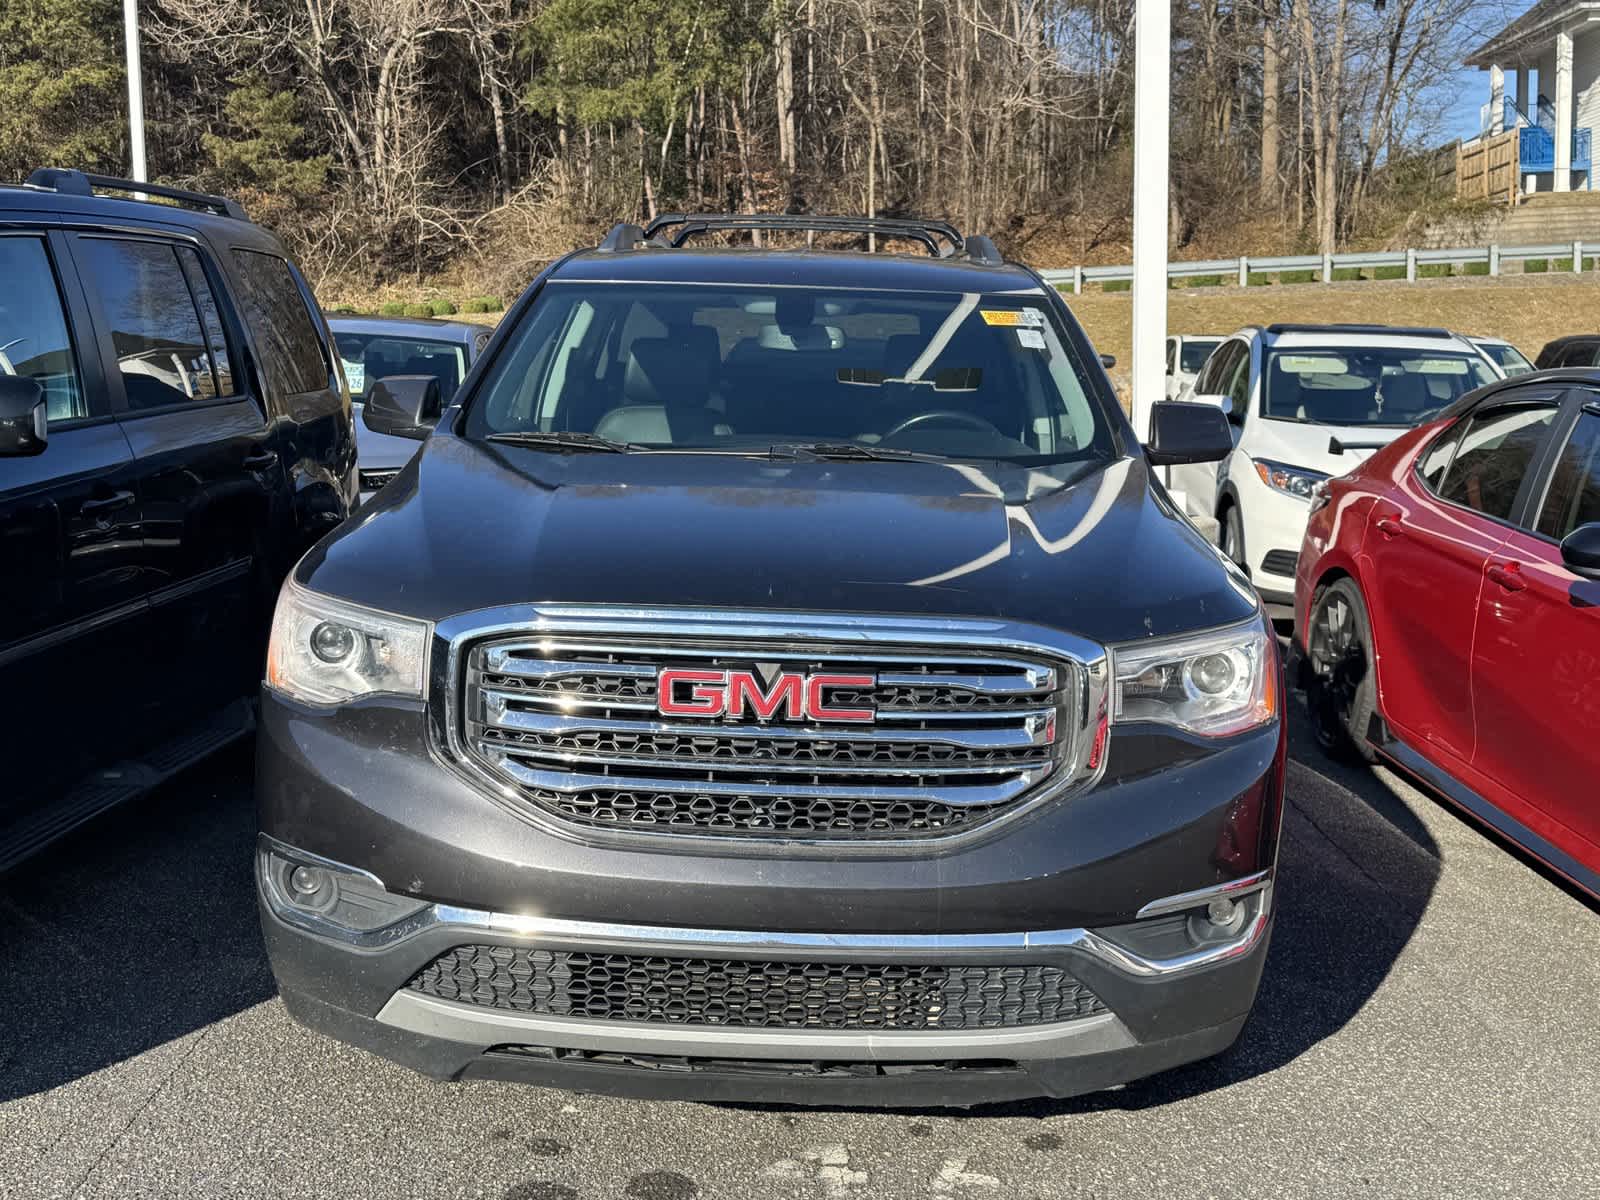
(734, 694)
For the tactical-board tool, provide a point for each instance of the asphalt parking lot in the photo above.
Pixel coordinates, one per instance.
(1428, 1027)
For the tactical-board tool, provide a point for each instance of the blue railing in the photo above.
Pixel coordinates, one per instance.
(1537, 150)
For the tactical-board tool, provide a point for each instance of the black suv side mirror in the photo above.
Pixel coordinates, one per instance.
(1181, 432)
(405, 406)
(1581, 550)
(23, 429)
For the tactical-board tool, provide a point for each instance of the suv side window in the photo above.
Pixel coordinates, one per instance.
(1574, 495)
(284, 333)
(162, 352)
(1215, 374)
(34, 341)
(1237, 386)
(1495, 452)
(1172, 354)
(205, 300)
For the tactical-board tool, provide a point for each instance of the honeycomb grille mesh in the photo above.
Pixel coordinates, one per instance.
(767, 994)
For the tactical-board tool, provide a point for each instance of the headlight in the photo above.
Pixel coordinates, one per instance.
(328, 651)
(1214, 684)
(1292, 481)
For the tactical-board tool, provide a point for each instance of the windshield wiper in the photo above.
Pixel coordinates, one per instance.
(845, 450)
(563, 439)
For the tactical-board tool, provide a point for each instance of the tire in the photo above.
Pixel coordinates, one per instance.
(1341, 684)
(1231, 537)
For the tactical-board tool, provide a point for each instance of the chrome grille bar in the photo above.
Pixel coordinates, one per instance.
(571, 724)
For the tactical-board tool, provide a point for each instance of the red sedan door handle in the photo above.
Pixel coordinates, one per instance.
(1390, 526)
(1507, 574)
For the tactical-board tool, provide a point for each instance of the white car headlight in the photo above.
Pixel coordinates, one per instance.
(327, 651)
(1291, 481)
(1215, 683)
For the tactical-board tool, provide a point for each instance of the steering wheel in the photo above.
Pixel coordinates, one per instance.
(947, 416)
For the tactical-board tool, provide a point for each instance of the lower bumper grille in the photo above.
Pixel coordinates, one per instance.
(1280, 562)
(737, 992)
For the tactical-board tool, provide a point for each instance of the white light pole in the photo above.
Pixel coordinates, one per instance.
(1152, 90)
(130, 23)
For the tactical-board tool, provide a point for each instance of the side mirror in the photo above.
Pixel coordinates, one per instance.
(23, 430)
(1187, 433)
(1581, 550)
(405, 406)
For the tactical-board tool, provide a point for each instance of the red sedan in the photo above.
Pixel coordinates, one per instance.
(1447, 605)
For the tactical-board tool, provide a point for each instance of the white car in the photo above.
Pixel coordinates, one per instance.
(1308, 402)
(1186, 354)
(1503, 354)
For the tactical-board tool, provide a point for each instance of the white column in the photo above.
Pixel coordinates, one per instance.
(1497, 100)
(130, 24)
(1152, 91)
(1522, 91)
(1563, 103)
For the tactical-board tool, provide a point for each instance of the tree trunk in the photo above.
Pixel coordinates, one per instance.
(1270, 192)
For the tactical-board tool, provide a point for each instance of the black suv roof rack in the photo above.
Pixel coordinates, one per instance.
(1395, 330)
(80, 183)
(672, 230)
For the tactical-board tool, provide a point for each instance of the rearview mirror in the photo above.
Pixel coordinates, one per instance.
(23, 426)
(1581, 550)
(1187, 433)
(406, 406)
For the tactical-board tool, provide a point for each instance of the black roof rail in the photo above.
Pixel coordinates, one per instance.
(1393, 330)
(623, 236)
(941, 238)
(79, 183)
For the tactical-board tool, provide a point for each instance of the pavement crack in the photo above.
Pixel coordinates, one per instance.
(116, 1138)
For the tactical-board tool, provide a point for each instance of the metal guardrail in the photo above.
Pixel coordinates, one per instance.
(1324, 265)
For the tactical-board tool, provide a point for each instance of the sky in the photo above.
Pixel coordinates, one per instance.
(1472, 85)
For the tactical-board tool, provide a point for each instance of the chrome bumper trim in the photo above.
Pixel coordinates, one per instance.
(1045, 944)
(1233, 889)
(485, 1027)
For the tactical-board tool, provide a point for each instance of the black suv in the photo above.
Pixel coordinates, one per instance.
(779, 676)
(174, 433)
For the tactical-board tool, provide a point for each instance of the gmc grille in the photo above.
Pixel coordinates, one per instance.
(956, 739)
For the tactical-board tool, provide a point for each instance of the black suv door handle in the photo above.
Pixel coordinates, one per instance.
(106, 503)
(259, 462)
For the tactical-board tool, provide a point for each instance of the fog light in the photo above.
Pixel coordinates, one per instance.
(312, 888)
(1222, 912)
(307, 881)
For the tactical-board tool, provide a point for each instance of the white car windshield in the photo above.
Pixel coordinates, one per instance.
(1367, 385)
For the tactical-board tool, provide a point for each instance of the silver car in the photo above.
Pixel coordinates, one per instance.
(371, 348)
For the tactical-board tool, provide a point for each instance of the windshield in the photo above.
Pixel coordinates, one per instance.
(1194, 354)
(1367, 385)
(369, 357)
(746, 369)
(1511, 359)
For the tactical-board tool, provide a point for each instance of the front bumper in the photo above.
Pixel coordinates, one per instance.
(1162, 1000)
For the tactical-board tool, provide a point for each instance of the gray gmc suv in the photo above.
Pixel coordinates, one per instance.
(779, 676)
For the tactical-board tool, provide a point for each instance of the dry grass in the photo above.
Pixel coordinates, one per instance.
(1526, 310)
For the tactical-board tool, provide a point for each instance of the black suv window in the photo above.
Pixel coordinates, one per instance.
(162, 352)
(745, 368)
(33, 329)
(205, 301)
(1494, 455)
(1574, 495)
(277, 315)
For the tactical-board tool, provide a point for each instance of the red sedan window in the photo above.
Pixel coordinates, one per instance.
(1574, 496)
(1495, 453)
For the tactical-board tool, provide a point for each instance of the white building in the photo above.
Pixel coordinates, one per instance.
(1552, 55)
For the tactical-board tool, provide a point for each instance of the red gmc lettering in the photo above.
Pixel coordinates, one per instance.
(744, 691)
(817, 705)
(707, 698)
(689, 693)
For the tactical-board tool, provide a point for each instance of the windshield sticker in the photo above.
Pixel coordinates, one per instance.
(1030, 339)
(1011, 318)
(355, 373)
(1313, 364)
(1436, 366)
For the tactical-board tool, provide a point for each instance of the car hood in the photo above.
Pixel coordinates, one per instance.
(1090, 551)
(1304, 445)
